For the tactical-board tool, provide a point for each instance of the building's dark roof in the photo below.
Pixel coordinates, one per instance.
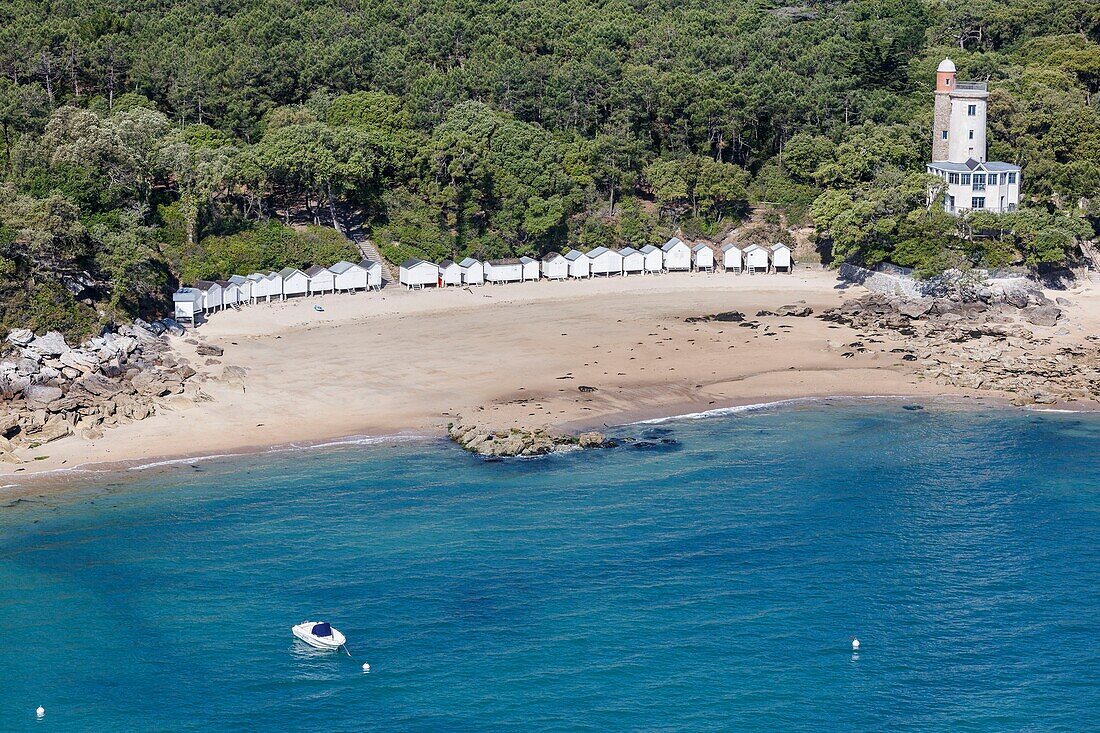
(446, 263)
(506, 261)
(205, 284)
(316, 270)
(550, 256)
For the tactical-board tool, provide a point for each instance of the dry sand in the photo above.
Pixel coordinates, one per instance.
(392, 362)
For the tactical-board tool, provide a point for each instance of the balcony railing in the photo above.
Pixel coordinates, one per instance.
(977, 187)
(971, 86)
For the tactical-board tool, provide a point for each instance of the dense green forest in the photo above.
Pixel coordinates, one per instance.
(150, 141)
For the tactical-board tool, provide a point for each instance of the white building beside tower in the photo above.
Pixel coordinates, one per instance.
(958, 149)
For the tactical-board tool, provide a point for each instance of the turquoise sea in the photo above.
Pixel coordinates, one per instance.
(710, 578)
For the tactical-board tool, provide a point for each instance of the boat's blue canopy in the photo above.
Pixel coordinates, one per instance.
(321, 630)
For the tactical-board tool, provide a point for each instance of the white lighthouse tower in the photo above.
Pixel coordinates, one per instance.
(959, 150)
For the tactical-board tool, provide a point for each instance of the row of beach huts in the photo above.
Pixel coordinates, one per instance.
(208, 296)
(674, 256)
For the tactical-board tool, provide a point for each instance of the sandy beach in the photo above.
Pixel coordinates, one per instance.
(400, 362)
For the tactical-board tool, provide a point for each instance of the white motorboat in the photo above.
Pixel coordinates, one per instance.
(319, 635)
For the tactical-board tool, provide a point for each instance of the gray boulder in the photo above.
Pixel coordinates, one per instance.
(39, 395)
(1042, 315)
(52, 344)
(21, 336)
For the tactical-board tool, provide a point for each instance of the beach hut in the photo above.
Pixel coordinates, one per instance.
(266, 286)
(244, 287)
(554, 266)
(579, 264)
(348, 277)
(374, 273)
(417, 273)
(473, 272)
(295, 282)
(702, 258)
(781, 257)
(231, 293)
(633, 260)
(677, 255)
(211, 295)
(756, 258)
(450, 273)
(653, 259)
(321, 280)
(732, 258)
(504, 271)
(605, 261)
(530, 268)
(186, 304)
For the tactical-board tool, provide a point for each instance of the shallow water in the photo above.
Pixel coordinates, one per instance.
(710, 578)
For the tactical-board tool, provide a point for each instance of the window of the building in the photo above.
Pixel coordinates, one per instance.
(978, 202)
(979, 179)
(1011, 177)
(971, 134)
(965, 179)
(972, 110)
(952, 177)
(1012, 207)
(943, 135)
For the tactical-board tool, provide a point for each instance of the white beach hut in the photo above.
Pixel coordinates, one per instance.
(633, 260)
(321, 280)
(450, 273)
(781, 257)
(554, 266)
(374, 273)
(508, 270)
(295, 282)
(702, 258)
(677, 255)
(231, 293)
(186, 304)
(348, 277)
(653, 258)
(244, 287)
(473, 272)
(211, 295)
(606, 261)
(756, 258)
(732, 258)
(579, 264)
(530, 268)
(417, 273)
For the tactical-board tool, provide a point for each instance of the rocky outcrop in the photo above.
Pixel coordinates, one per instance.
(49, 390)
(970, 343)
(518, 442)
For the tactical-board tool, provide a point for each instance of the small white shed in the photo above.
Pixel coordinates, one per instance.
(633, 260)
(606, 261)
(186, 304)
(473, 272)
(702, 258)
(321, 280)
(295, 282)
(579, 264)
(211, 295)
(554, 266)
(756, 258)
(781, 257)
(266, 286)
(231, 293)
(450, 273)
(244, 287)
(374, 273)
(504, 271)
(677, 255)
(418, 273)
(348, 277)
(653, 258)
(732, 258)
(530, 268)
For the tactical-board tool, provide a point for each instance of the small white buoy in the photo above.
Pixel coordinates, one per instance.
(366, 667)
(855, 644)
(40, 712)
